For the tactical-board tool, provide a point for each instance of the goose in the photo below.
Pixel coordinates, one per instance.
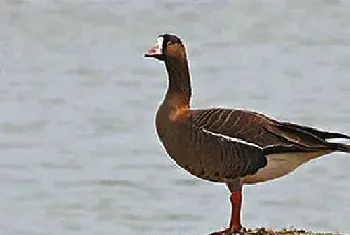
(235, 147)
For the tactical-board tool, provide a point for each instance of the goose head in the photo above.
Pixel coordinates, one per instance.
(167, 47)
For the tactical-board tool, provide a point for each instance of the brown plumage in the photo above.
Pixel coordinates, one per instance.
(236, 147)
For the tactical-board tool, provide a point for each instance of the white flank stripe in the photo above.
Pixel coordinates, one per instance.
(231, 139)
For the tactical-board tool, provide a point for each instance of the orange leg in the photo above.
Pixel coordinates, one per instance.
(236, 203)
(235, 221)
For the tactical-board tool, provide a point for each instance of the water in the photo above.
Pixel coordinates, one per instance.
(78, 150)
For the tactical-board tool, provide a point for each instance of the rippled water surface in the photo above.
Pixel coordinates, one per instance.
(78, 150)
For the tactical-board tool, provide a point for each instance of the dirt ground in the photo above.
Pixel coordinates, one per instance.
(292, 231)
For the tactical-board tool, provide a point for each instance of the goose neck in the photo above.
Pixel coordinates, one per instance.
(179, 86)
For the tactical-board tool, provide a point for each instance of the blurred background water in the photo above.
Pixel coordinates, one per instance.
(78, 149)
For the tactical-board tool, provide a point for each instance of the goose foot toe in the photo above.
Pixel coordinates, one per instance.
(230, 231)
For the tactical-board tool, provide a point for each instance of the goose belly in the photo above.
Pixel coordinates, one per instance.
(279, 165)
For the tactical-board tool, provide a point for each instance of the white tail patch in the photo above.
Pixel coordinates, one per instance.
(339, 140)
(281, 164)
(229, 138)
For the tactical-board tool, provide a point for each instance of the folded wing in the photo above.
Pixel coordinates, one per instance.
(265, 132)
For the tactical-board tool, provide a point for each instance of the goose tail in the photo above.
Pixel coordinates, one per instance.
(347, 148)
(339, 147)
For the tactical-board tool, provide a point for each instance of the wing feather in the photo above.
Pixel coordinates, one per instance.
(266, 132)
